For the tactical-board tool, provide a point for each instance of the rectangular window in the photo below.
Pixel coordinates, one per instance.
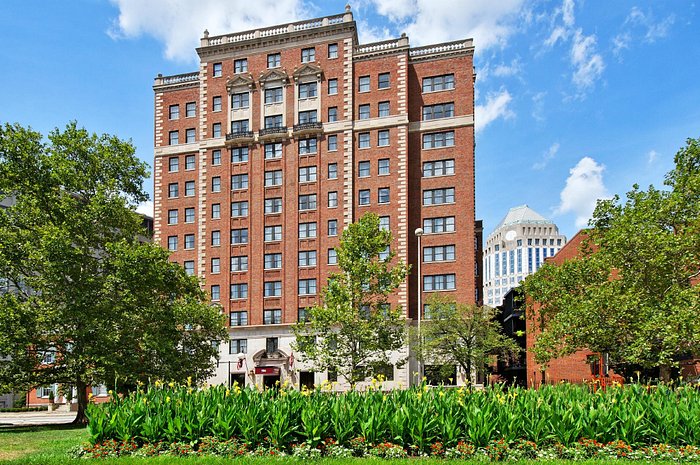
(384, 254)
(274, 60)
(307, 146)
(439, 282)
(383, 195)
(332, 199)
(438, 168)
(385, 223)
(174, 112)
(307, 174)
(239, 291)
(189, 267)
(215, 238)
(240, 100)
(173, 138)
(363, 111)
(307, 258)
(273, 233)
(436, 83)
(383, 81)
(191, 109)
(273, 151)
(308, 54)
(273, 205)
(189, 188)
(274, 121)
(172, 243)
(332, 114)
(272, 289)
(215, 292)
(363, 84)
(239, 318)
(189, 162)
(307, 202)
(189, 241)
(240, 65)
(239, 155)
(332, 171)
(239, 181)
(307, 230)
(216, 184)
(307, 90)
(172, 216)
(173, 164)
(216, 103)
(332, 50)
(189, 215)
(216, 157)
(308, 116)
(216, 70)
(216, 130)
(190, 135)
(307, 287)
(332, 86)
(239, 209)
(173, 190)
(272, 317)
(439, 196)
(216, 265)
(273, 261)
(439, 253)
(332, 227)
(383, 166)
(383, 138)
(383, 109)
(302, 314)
(239, 263)
(363, 197)
(439, 225)
(238, 346)
(273, 178)
(239, 236)
(439, 139)
(332, 143)
(216, 211)
(332, 257)
(239, 126)
(363, 140)
(274, 95)
(441, 110)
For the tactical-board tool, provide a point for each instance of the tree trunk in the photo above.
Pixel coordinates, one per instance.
(665, 373)
(81, 418)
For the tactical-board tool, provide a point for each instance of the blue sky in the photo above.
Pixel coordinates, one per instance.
(576, 99)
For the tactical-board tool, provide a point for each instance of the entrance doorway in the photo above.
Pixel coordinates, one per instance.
(271, 381)
(306, 378)
(238, 378)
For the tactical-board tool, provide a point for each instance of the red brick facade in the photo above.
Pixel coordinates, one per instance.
(369, 157)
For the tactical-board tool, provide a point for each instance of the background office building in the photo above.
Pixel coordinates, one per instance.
(282, 138)
(515, 249)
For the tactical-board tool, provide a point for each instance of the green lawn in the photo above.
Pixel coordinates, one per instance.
(48, 445)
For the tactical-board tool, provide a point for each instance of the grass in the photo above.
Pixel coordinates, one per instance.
(49, 445)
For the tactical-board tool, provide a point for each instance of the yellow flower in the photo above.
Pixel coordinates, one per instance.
(171, 384)
(158, 383)
(189, 381)
(110, 392)
(441, 394)
(167, 399)
(228, 392)
(90, 396)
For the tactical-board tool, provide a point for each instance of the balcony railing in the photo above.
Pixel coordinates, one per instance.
(239, 137)
(274, 131)
(308, 128)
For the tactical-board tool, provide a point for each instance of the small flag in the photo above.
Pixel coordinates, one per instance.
(291, 360)
(239, 365)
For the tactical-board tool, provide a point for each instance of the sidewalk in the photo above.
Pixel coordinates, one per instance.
(35, 418)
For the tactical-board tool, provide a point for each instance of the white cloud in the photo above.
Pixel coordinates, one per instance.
(506, 70)
(584, 187)
(180, 23)
(547, 156)
(588, 64)
(621, 42)
(497, 106)
(432, 21)
(368, 34)
(567, 13)
(538, 107)
(642, 26)
(652, 156)
(145, 208)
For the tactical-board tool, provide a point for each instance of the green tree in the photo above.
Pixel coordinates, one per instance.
(79, 283)
(465, 335)
(631, 292)
(353, 330)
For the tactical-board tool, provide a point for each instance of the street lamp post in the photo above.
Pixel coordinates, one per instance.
(419, 233)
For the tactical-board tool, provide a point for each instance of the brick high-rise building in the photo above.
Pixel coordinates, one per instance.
(283, 137)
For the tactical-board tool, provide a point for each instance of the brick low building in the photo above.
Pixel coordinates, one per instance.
(283, 137)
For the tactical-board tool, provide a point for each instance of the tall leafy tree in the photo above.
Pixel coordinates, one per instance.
(633, 290)
(468, 336)
(353, 330)
(80, 286)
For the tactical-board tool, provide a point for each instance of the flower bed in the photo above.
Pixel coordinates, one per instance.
(497, 423)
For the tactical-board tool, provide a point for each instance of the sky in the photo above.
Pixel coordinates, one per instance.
(576, 100)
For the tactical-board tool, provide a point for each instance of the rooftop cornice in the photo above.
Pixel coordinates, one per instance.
(385, 47)
(445, 49)
(177, 81)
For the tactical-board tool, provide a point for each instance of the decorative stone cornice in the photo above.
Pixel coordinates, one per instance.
(177, 81)
(443, 50)
(238, 81)
(307, 69)
(273, 75)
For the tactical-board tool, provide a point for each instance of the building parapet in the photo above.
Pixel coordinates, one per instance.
(385, 46)
(178, 80)
(446, 48)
